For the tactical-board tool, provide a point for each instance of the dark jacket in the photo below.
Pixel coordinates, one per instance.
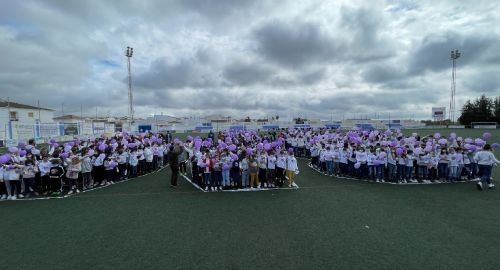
(173, 156)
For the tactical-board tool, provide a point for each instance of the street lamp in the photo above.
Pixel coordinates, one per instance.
(454, 56)
(128, 53)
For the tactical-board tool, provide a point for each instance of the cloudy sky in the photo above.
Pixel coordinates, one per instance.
(249, 57)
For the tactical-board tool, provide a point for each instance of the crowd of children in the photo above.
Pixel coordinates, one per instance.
(244, 159)
(78, 165)
(230, 161)
(241, 160)
(382, 156)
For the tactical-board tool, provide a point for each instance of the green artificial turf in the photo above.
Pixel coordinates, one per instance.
(326, 224)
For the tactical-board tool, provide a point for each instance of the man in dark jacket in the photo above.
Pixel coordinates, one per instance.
(173, 160)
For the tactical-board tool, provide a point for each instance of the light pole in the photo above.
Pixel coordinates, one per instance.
(128, 53)
(454, 56)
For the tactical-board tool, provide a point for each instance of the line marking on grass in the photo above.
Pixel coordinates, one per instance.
(239, 190)
(387, 183)
(87, 190)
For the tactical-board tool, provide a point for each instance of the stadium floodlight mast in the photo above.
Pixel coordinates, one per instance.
(128, 53)
(454, 56)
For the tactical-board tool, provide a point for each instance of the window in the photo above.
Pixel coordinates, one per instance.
(13, 116)
(30, 114)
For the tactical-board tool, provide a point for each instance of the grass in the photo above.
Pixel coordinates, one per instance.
(327, 224)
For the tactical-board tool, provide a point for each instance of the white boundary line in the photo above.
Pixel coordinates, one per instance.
(371, 181)
(239, 190)
(84, 191)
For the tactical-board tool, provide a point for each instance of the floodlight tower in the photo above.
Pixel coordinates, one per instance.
(128, 53)
(454, 56)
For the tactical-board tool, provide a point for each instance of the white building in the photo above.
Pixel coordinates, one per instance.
(23, 113)
(18, 120)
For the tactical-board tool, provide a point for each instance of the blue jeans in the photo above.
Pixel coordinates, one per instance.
(473, 169)
(409, 171)
(379, 171)
(391, 171)
(453, 172)
(216, 178)
(371, 171)
(225, 178)
(485, 173)
(208, 179)
(401, 171)
(442, 170)
(424, 172)
(244, 179)
(329, 167)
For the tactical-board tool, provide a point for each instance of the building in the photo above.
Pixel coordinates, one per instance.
(26, 114)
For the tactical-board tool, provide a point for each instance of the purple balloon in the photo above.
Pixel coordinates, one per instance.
(486, 135)
(399, 151)
(13, 149)
(495, 145)
(64, 155)
(131, 145)
(102, 147)
(52, 141)
(357, 165)
(267, 146)
(437, 135)
(90, 152)
(249, 151)
(234, 157)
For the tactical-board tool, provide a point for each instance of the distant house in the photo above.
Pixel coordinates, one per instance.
(23, 113)
(69, 118)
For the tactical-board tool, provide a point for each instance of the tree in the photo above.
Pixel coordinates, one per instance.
(496, 109)
(483, 109)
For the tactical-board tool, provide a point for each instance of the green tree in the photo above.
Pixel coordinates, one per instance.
(483, 109)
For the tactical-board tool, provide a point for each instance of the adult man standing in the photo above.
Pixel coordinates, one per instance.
(173, 160)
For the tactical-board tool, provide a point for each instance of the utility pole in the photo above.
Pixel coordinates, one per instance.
(454, 56)
(128, 53)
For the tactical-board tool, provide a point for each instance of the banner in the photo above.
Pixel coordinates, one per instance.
(22, 131)
(70, 129)
(109, 128)
(49, 130)
(86, 129)
(98, 128)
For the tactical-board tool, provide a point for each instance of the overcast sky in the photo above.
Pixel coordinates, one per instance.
(249, 57)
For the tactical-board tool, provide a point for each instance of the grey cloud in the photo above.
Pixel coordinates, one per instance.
(433, 54)
(165, 74)
(244, 74)
(294, 45)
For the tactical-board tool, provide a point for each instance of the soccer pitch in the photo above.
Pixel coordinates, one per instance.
(326, 224)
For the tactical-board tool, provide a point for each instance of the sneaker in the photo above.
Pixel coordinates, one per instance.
(112, 182)
(9, 197)
(13, 198)
(37, 194)
(265, 184)
(382, 181)
(206, 188)
(20, 196)
(437, 181)
(70, 192)
(289, 185)
(3, 197)
(479, 185)
(491, 185)
(77, 191)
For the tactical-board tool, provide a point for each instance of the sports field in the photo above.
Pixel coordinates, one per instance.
(326, 224)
